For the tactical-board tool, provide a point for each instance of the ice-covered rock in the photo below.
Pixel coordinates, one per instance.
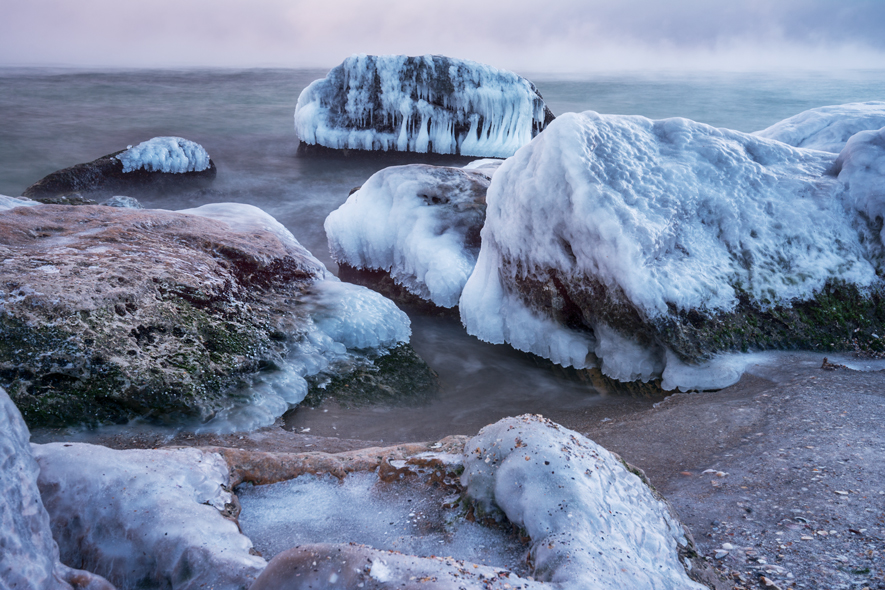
(7, 203)
(861, 170)
(652, 246)
(107, 313)
(146, 518)
(419, 224)
(29, 556)
(161, 163)
(421, 104)
(827, 128)
(592, 523)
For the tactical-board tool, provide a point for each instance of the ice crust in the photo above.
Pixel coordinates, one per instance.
(592, 523)
(174, 155)
(420, 104)
(340, 324)
(145, 518)
(398, 517)
(419, 223)
(827, 128)
(7, 203)
(663, 214)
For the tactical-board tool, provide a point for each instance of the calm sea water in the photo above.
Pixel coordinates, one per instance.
(51, 119)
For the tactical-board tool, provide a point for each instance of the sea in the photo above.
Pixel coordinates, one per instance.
(54, 118)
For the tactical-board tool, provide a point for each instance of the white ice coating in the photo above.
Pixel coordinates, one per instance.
(414, 222)
(420, 104)
(174, 155)
(827, 128)
(592, 523)
(7, 203)
(145, 518)
(338, 323)
(663, 213)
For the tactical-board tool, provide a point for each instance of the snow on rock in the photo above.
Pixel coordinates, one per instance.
(592, 523)
(827, 128)
(146, 518)
(173, 155)
(622, 240)
(29, 556)
(421, 104)
(418, 223)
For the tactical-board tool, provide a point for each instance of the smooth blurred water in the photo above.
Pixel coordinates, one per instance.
(51, 119)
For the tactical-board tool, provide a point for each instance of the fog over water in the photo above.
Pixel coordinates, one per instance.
(56, 118)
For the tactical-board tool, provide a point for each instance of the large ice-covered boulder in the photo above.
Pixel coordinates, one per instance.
(827, 128)
(107, 313)
(146, 518)
(419, 224)
(651, 246)
(29, 556)
(421, 104)
(158, 163)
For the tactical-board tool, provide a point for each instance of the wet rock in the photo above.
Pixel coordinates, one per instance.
(107, 313)
(29, 559)
(109, 175)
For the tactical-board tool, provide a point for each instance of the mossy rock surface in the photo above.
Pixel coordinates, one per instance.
(110, 313)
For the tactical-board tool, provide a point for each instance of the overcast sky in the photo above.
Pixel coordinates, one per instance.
(523, 35)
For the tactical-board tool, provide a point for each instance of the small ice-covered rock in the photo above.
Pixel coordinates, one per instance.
(123, 202)
(29, 556)
(173, 155)
(645, 245)
(592, 523)
(827, 128)
(421, 104)
(418, 223)
(146, 518)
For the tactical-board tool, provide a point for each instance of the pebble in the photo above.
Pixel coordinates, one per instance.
(727, 546)
(720, 553)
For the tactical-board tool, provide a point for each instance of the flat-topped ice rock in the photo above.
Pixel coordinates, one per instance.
(650, 247)
(426, 104)
(827, 128)
(108, 313)
(146, 518)
(29, 559)
(160, 163)
(419, 224)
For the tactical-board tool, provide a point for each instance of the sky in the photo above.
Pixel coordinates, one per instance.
(557, 36)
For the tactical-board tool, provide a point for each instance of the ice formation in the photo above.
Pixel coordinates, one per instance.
(827, 128)
(419, 223)
(592, 523)
(420, 104)
(338, 323)
(7, 203)
(174, 155)
(145, 518)
(861, 169)
(624, 213)
(29, 556)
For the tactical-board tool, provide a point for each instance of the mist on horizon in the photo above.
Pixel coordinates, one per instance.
(560, 37)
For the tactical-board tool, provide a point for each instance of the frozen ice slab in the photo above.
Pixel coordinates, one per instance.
(827, 128)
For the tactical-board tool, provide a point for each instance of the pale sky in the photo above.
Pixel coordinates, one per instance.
(528, 36)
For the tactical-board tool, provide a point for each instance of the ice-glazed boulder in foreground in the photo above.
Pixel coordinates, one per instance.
(419, 224)
(421, 104)
(146, 518)
(651, 246)
(29, 557)
(161, 163)
(827, 128)
(108, 313)
(592, 523)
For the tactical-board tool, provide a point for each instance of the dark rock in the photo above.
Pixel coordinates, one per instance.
(105, 177)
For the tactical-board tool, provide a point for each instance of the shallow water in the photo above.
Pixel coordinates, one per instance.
(54, 119)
